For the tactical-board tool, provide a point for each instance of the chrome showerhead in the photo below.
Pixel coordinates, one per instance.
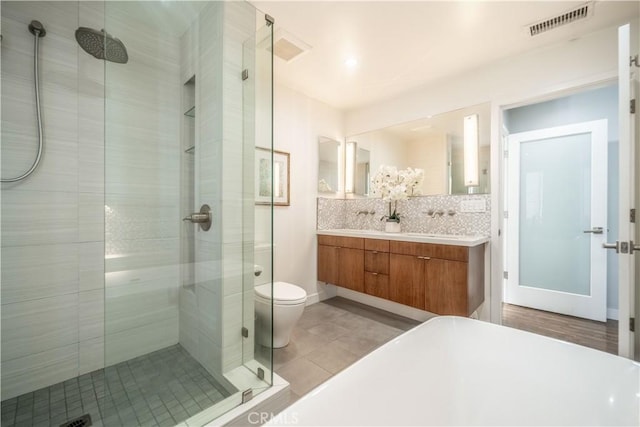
(102, 45)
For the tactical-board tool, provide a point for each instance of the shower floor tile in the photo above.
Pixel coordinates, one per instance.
(162, 388)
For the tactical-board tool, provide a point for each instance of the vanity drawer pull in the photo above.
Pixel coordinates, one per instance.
(374, 274)
(423, 257)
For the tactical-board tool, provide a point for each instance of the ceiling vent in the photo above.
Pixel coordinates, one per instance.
(580, 12)
(288, 47)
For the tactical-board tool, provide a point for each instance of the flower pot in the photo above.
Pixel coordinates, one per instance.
(392, 226)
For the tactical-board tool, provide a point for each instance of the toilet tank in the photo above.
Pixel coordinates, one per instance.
(262, 260)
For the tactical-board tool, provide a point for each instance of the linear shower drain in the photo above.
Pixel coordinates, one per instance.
(82, 421)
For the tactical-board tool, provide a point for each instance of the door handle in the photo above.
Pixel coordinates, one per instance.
(595, 230)
(633, 247)
(615, 246)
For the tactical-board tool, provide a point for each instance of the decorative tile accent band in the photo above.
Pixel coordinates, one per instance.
(426, 214)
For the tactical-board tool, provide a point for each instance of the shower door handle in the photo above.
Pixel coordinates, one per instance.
(202, 218)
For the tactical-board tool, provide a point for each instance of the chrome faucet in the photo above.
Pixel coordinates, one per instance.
(433, 213)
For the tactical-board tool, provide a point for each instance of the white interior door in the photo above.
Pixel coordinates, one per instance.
(557, 214)
(624, 246)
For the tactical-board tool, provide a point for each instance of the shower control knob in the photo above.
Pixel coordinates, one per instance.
(203, 218)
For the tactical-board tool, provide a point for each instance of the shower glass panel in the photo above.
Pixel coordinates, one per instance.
(120, 304)
(179, 223)
(258, 252)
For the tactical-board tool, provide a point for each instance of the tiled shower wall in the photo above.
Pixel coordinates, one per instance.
(211, 313)
(142, 189)
(350, 214)
(53, 223)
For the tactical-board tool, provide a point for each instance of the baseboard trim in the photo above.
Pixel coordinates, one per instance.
(328, 291)
(382, 304)
(612, 313)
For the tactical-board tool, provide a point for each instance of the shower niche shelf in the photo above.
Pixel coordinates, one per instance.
(191, 112)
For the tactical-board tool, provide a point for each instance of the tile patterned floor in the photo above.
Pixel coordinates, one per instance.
(330, 336)
(162, 388)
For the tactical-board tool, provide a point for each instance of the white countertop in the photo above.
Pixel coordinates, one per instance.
(441, 239)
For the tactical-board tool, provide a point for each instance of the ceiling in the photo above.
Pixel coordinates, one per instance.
(400, 45)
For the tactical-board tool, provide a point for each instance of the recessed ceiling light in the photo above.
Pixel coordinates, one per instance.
(351, 63)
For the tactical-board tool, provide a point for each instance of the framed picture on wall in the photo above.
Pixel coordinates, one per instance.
(264, 174)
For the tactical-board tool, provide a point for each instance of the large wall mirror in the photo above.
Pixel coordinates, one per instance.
(435, 144)
(329, 166)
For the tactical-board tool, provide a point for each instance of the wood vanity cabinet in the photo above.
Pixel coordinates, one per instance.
(441, 279)
(341, 261)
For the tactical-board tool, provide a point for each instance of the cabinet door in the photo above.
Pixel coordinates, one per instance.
(376, 284)
(446, 291)
(407, 280)
(328, 264)
(351, 269)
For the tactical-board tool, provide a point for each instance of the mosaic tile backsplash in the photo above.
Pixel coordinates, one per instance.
(446, 215)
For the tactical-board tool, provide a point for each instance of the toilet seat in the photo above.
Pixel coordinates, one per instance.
(284, 293)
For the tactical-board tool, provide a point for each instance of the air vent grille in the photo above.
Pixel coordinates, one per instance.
(286, 50)
(566, 18)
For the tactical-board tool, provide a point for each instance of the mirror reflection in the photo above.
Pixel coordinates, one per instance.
(434, 144)
(358, 170)
(329, 154)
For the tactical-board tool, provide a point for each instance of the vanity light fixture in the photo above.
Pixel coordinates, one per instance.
(471, 150)
(350, 161)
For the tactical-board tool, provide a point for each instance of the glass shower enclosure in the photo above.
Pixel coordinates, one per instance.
(128, 254)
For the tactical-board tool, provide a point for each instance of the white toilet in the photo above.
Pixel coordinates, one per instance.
(288, 303)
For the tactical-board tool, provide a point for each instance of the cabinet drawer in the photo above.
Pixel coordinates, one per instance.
(342, 242)
(450, 252)
(376, 245)
(376, 262)
(376, 284)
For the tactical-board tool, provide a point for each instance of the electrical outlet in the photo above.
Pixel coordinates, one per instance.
(473, 205)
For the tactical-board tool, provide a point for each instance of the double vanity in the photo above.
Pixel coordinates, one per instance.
(441, 274)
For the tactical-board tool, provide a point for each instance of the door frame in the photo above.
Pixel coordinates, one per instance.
(498, 184)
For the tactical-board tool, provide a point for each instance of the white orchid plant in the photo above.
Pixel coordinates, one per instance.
(392, 185)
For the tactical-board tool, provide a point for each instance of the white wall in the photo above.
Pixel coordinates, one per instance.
(298, 123)
(590, 58)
